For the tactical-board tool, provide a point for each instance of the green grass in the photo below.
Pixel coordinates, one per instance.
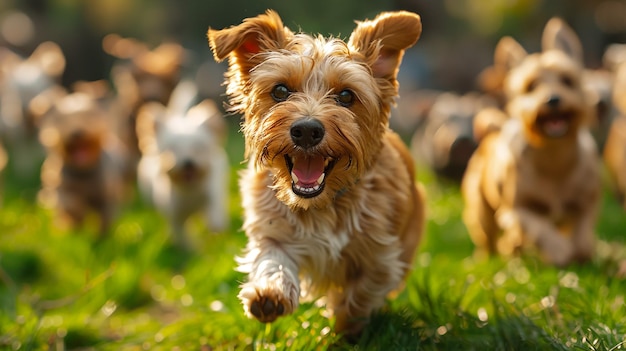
(64, 290)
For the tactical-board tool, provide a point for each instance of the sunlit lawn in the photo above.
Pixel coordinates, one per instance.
(64, 290)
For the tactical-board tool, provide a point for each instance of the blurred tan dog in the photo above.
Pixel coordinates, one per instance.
(535, 183)
(329, 194)
(82, 173)
(184, 167)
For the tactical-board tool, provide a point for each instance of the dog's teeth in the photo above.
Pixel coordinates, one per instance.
(321, 178)
(294, 177)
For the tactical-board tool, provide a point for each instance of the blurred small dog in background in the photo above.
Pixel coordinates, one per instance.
(447, 140)
(26, 84)
(83, 171)
(329, 193)
(535, 184)
(184, 169)
(142, 75)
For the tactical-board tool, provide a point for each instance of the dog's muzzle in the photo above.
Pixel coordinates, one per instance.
(554, 121)
(308, 169)
(308, 173)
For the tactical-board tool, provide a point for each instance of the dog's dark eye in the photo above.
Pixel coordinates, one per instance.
(567, 81)
(280, 93)
(345, 98)
(531, 86)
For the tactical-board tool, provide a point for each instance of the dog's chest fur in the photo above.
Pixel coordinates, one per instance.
(560, 196)
(332, 245)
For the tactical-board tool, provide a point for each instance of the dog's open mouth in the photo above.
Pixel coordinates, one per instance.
(555, 125)
(187, 173)
(82, 153)
(308, 174)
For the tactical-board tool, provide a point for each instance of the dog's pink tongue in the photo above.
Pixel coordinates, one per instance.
(556, 127)
(81, 156)
(308, 169)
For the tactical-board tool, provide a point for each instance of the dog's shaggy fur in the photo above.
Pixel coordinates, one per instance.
(331, 205)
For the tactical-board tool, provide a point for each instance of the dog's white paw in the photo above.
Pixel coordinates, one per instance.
(269, 299)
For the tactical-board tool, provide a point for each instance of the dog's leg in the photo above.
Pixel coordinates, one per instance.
(107, 214)
(273, 288)
(178, 231)
(72, 209)
(477, 214)
(367, 286)
(522, 226)
(583, 236)
(481, 225)
(355, 306)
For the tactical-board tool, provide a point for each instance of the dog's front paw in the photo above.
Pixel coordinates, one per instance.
(266, 302)
(556, 250)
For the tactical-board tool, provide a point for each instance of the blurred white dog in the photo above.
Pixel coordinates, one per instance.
(184, 167)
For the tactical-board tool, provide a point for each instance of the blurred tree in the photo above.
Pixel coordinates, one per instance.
(457, 41)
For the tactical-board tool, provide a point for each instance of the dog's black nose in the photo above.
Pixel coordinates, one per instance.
(188, 164)
(77, 134)
(307, 132)
(554, 101)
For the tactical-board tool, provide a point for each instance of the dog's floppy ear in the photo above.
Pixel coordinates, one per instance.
(8, 61)
(122, 48)
(165, 60)
(383, 40)
(207, 115)
(509, 53)
(42, 104)
(614, 56)
(98, 89)
(557, 35)
(241, 43)
(50, 58)
(183, 97)
(150, 119)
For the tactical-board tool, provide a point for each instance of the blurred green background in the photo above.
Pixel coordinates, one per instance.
(457, 41)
